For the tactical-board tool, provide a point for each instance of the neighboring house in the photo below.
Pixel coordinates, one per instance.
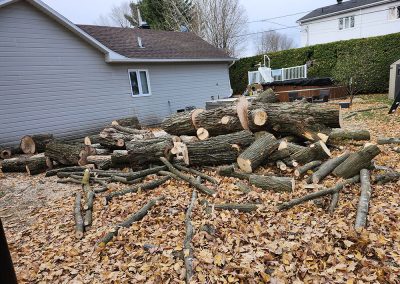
(69, 80)
(349, 20)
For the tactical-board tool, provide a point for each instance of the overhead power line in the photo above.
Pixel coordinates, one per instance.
(278, 17)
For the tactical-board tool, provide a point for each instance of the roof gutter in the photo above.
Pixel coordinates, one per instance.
(122, 59)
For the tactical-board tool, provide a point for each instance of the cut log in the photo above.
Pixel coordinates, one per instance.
(307, 167)
(281, 165)
(220, 150)
(7, 153)
(14, 165)
(326, 168)
(253, 156)
(316, 151)
(129, 130)
(343, 136)
(337, 188)
(247, 207)
(386, 178)
(198, 173)
(243, 187)
(363, 203)
(277, 184)
(230, 171)
(79, 225)
(36, 164)
(112, 144)
(268, 96)
(357, 161)
(131, 121)
(192, 181)
(92, 139)
(202, 134)
(187, 243)
(187, 139)
(89, 209)
(101, 162)
(140, 157)
(181, 123)
(128, 222)
(119, 159)
(65, 154)
(31, 144)
(384, 140)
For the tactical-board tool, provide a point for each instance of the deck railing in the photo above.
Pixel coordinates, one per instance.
(283, 74)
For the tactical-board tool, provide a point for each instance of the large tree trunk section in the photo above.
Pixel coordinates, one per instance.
(119, 159)
(132, 145)
(132, 122)
(220, 150)
(249, 207)
(363, 204)
(277, 184)
(101, 162)
(181, 123)
(357, 161)
(32, 144)
(128, 222)
(129, 130)
(337, 188)
(383, 140)
(307, 167)
(253, 156)
(112, 144)
(230, 171)
(65, 154)
(14, 165)
(219, 121)
(187, 243)
(36, 164)
(79, 225)
(316, 151)
(343, 136)
(141, 157)
(326, 168)
(268, 96)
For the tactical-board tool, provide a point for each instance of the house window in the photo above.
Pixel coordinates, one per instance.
(346, 23)
(140, 83)
(394, 13)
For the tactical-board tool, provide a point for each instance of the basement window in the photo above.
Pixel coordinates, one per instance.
(394, 13)
(346, 23)
(140, 84)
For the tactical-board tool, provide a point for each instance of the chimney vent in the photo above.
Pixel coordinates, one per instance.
(339, 1)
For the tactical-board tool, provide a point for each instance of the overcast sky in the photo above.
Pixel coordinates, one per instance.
(88, 12)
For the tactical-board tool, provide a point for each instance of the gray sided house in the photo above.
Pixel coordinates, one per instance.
(69, 80)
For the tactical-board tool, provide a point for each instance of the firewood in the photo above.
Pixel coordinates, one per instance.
(316, 151)
(243, 187)
(7, 153)
(92, 139)
(253, 156)
(199, 174)
(129, 130)
(128, 222)
(192, 181)
(363, 203)
(343, 136)
(187, 243)
(187, 139)
(202, 134)
(281, 165)
(101, 162)
(89, 209)
(14, 165)
(385, 140)
(63, 153)
(36, 164)
(66, 170)
(334, 202)
(131, 121)
(144, 173)
(181, 123)
(277, 184)
(357, 161)
(79, 225)
(304, 169)
(230, 171)
(337, 188)
(31, 144)
(391, 176)
(267, 96)
(123, 180)
(326, 168)
(69, 180)
(247, 207)
(140, 157)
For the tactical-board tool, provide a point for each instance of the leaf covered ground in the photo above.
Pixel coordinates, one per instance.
(302, 244)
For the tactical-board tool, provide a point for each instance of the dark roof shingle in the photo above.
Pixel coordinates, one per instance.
(157, 44)
(324, 11)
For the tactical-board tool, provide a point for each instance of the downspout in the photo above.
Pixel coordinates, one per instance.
(233, 63)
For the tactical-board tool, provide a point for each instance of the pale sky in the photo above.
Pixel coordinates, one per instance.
(88, 12)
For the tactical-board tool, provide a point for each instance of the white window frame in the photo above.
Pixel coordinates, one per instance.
(137, 71)
(348, 19)
(396, 10)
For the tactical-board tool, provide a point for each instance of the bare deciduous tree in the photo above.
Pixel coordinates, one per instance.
(221, 22)
(273, 41)
(116, 16)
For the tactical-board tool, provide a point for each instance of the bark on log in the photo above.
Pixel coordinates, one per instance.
(92, 139)
(363, 203)
(31, 144)
(247, 207)
(69, 180)
(357, 161)
(79, 225)
(66, 170)
(198, 173)
(140, 157)
(281, 165)
(384, 140)
(7, 153)
(304, 169)
(128, 222)
(144, 173)
(131, 121)
(334, 202)
(343, 136)
(89, 209)
(230, 171)
(181, 123)
(220, 150)
(65, 154)
(187, 139)
(386, 178)
(14, 165)
(192, 181)
(130, 130)
(337, 188)
(326, 168)
(268, 96)
(243, 187)
(187, 243)
(253, 156)
(277, 184)
(101, 162)
(36, 164)
(112, 144)
(316, 151)
(119, 159)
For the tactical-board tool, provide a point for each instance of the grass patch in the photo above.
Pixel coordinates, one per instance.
(376, 98)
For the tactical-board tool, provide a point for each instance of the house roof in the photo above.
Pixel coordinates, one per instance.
(120, 45)
(156, 44)
(343, 7)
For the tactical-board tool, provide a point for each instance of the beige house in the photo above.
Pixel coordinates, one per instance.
(394, 83)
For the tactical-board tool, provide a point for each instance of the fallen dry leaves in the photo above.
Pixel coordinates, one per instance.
(303, 244)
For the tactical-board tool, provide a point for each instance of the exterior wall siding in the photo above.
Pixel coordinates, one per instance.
(52, 81)
(369, 22)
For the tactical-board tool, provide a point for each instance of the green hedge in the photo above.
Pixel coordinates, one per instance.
(380, 52)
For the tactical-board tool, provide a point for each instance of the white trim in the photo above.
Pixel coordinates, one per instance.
(154, 60)
(137, 71)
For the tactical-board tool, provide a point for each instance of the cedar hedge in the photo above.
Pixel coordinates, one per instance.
(379, 53)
